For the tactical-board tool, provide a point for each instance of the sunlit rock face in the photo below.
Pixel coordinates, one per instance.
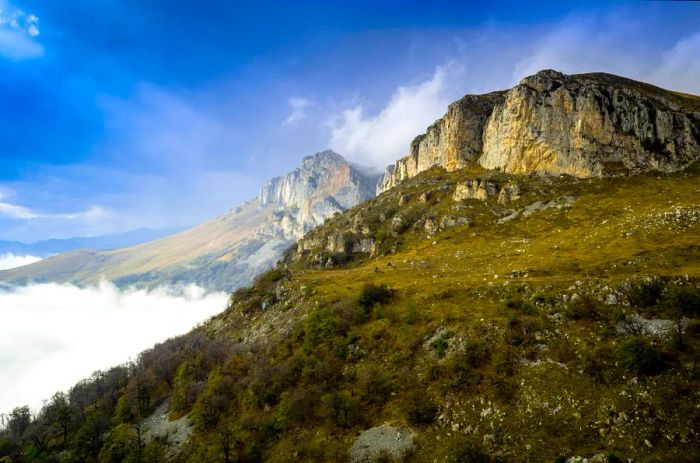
(451, 142)
(587, 125)
(583, 125)
(324, 184)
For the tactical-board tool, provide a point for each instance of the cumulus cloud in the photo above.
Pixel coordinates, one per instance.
(18, 33)
(52, 335)
(10, 260)
(380, 139)
(298, 106)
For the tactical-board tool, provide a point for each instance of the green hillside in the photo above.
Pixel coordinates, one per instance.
(561, 321)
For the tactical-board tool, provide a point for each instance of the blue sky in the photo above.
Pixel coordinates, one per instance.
(122, 114)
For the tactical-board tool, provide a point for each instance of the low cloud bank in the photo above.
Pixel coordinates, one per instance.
(52, 335)
(10, 260)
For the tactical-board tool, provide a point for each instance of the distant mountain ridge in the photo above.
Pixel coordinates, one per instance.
(45, 248)
(583, 125)
(228, 251)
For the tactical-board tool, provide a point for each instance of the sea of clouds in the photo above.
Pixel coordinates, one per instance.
(10, 260)
(53, 335)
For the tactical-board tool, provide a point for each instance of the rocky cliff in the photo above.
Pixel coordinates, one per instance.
(583, 125)
(302, 199)
(451, 142)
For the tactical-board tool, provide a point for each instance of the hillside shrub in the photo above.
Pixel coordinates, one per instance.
(420, 410)
(321, 327)
(374, 294)
(476, 352)
(441, 343)
(584, 307)
(645, 293)
(468, 452)
(638, 355)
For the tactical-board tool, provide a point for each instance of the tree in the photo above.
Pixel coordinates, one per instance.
(18, 421)
(683, 302)
(59, 414)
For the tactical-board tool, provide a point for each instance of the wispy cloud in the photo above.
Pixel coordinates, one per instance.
(18, 33)
(54, 335)
(384, 137)
(298, 106)
(16, 211)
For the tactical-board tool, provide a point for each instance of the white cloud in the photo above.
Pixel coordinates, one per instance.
(9, 260)
(298, 106)
(52, 335)
(378, 140)
(18, 33)
(680, 66)
(617, 43)
(16, 211)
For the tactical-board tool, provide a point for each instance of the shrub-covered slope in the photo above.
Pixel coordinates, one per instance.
(462, 316)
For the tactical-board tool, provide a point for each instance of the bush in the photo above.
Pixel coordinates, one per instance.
(476, 353)
(420, 410)
(514, 300)
(640, 356)
(440, 344)
(321, 327)
(645, 293)
(372, 294)
(599, 364)
(582, 308)
(469, 452)
(683, 300)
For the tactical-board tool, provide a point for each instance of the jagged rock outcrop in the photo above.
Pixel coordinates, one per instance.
(451, 142)
(583, 125)
(302, 199)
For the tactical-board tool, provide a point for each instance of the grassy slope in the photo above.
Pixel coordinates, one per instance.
(614, 232)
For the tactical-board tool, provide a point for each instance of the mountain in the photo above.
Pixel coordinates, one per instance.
(464, 315)
(46, 248)
(582, 125)
(228, 251)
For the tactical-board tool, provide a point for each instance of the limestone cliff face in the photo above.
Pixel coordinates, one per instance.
(302, 199)
(586, 124)
(583, 125)
(451, 142)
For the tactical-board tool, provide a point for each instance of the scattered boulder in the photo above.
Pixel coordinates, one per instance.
(404, 199)
(449, 221)
(561, 202)
(656, 328)
(398, 224)
(510, 192)
(395, 442)
(475, 189)
(431, 226)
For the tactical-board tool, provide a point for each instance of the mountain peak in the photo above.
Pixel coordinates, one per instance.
(551, 123)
